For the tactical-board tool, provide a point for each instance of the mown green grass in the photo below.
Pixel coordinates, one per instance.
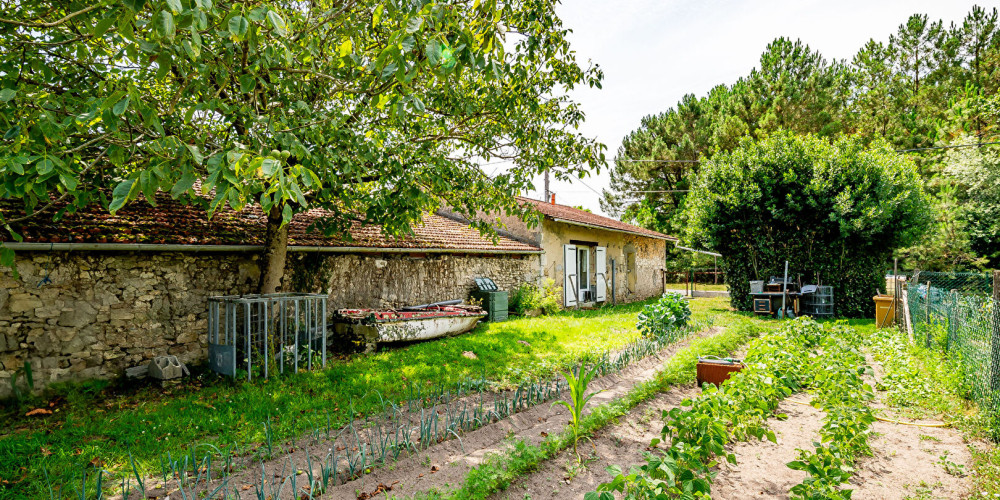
(698, 286)
(99, 425)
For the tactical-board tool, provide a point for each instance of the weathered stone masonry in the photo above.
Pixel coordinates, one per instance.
(100, 312)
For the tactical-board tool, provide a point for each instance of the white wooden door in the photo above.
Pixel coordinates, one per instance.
(601, 270)
(570, 279)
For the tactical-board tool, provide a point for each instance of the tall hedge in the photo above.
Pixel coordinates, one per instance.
(837, 209)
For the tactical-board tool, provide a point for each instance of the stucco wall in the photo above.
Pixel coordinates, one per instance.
(649, 252)
(100, 313)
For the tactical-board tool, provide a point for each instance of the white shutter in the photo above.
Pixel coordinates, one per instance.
(570, 279)
(601, 269)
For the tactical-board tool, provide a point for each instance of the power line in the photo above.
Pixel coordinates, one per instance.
(910, 150)
(588, 187)
(948, 147)
(660, 191)
(634, 160)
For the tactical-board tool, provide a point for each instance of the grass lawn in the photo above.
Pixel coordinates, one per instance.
(98, 424)
(698, 286)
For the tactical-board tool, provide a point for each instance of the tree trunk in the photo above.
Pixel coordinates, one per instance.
(272, 266)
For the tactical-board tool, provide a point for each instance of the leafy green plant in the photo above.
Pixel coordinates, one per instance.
(578, 380)
(803, 354)
(17, 392)
(530, 297)
(669, 313)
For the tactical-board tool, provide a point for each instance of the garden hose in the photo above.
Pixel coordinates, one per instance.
(889, 420)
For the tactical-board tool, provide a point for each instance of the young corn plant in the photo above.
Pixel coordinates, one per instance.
(577, 380)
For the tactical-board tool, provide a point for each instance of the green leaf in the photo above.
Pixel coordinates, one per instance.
(120, 195)
(413, 24)
(12, 132)
(193, 51)
(286, 213)
(7, 94)
(346, 47)
(185, 183)
(238, 27)
(377, 15)
(433, 51)
(205, 5)
(278, 23)
(68, 181)
(175, 6)
(103, 25)
(269, 166)
(45, 166)
(247, 83)
(134, 5)
(120, 106)
(165, 25)
(195, 153)
(6, 257)
(257, 14)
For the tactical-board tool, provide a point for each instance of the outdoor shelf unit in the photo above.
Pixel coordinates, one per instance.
(272, 330)
(819, 303)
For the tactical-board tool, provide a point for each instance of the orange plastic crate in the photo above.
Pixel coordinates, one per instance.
(716, 371)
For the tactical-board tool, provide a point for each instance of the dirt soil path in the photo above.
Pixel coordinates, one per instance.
(760, 470)
(906, 460)
(623, 444)
(444, 466)
(909, 461)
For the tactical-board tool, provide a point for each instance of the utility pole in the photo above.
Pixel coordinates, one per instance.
(546, 197)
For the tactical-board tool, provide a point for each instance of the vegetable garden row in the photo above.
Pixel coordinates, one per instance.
(804, 355)
(321, 457)
(437, 442)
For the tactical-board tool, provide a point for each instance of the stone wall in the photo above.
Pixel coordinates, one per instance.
(84, 315)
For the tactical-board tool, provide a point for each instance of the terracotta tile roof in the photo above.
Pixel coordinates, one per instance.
(570, 214)
(172, 222)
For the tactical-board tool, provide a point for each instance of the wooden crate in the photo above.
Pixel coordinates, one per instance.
(716, 371)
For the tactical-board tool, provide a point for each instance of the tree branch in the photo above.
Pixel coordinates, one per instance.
(53, 23)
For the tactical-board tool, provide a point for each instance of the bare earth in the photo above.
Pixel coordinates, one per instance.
(442, 466)
(623, 444)
(760, 470)
(907, 460)
(906, 463)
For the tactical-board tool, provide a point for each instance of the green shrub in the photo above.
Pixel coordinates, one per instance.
(529, 297)
(834, 211)
(665, 315)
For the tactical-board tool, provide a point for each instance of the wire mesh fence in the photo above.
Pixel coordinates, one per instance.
(959, 313)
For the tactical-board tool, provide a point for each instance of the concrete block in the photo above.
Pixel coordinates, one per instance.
(167, 367)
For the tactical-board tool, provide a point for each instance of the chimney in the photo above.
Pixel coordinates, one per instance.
(553, 201)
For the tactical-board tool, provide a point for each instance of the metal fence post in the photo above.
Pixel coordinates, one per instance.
(995, 339)
(927, 313)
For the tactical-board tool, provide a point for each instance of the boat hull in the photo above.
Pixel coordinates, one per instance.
(405, 327)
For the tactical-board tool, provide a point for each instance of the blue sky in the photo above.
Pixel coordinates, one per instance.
(654, 52)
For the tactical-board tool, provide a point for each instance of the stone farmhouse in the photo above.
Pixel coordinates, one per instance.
(96, 293)
(594, 259)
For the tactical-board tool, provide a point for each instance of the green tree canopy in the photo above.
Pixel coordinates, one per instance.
(929, 84)
(377, 111)
(835, 211)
